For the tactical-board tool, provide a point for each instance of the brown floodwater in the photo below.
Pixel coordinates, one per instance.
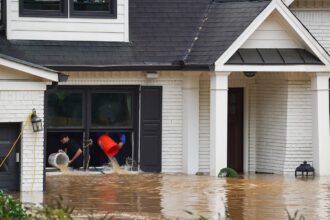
(157, 196)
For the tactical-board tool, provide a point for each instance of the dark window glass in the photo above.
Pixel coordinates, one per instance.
(50, 5)
(111, 110)
(91, 5)
(64, 109)
(43, 8)
(93, 8)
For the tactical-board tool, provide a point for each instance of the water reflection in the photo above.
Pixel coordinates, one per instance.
(154, 196)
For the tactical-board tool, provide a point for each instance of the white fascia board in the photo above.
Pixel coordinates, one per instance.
(48, 75)
(273, 68)
(288, 2)
(305, 35)
(292, 21)
(22, 86)
(246, 34)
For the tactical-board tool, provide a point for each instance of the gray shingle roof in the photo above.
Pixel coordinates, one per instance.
(224, 22)
(164, 33)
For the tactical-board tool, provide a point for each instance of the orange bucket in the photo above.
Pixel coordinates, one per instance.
(109, 146)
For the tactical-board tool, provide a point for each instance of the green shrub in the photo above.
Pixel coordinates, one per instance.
(55, 211)
(228, 172)
(11, 209)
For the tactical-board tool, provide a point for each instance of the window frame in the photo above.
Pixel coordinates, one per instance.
(62, 13)
(94, 14)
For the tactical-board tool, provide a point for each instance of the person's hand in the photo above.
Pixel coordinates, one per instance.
(70, 161)
(120, 145)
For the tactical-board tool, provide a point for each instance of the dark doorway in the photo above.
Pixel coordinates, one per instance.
(10, 170)
(235, 128)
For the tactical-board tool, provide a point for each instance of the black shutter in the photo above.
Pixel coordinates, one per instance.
(151, 129)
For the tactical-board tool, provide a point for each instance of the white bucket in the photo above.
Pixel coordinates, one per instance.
(58, 159)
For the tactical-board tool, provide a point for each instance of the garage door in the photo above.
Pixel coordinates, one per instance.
(10, 170)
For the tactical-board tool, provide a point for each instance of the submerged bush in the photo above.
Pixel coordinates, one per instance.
(10, 208)
(56, 211)
(228, 172)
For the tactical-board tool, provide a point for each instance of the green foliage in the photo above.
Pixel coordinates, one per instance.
(228, 172)
(56, 211)
(11, 209)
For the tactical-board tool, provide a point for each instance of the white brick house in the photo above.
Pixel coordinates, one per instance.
(198, 85)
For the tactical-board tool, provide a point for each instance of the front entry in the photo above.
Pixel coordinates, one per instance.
(10, 170)
(235, 128)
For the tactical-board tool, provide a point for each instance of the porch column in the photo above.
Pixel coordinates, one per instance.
(191, 123)
(218, 121)
(321, 131)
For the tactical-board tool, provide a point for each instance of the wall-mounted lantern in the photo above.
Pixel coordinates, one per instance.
(249, 74)
(36, 122)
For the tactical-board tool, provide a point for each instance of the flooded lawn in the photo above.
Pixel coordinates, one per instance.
(151, 196)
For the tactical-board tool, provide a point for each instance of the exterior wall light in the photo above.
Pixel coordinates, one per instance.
(151, 74)
(250, 74)
(36, 122)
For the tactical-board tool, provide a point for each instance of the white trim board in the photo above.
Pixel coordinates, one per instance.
(34, 71)
(22, 86)
(282, 10)
(274, 68)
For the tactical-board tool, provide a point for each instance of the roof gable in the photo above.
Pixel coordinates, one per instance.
(222, 24)
(274, 32)
(296, 28)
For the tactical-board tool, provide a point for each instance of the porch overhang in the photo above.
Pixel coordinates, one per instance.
(311, 46)
(274, 68)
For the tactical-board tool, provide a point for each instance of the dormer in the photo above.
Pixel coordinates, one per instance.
(68, 20)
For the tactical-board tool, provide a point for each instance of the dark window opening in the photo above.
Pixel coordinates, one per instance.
(87, 113)
(65, 109)
(43, 8)
(93, 8)
(59, 8)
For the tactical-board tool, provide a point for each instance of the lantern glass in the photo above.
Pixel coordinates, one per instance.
(36, 122)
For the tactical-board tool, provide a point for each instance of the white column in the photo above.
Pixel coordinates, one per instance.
(218, 123)
(321, 131)
(191, 123)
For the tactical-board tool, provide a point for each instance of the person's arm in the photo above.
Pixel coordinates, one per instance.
(65, 150)
(76, 155)
(122, 141)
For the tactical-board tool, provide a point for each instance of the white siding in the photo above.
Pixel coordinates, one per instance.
(67, 29)
(318, 23)
(271, 125)
(204, 124)
(272, 33)
(172, 141)
(278, 123)
(16, 107)
(284, 122)
(299, 124)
